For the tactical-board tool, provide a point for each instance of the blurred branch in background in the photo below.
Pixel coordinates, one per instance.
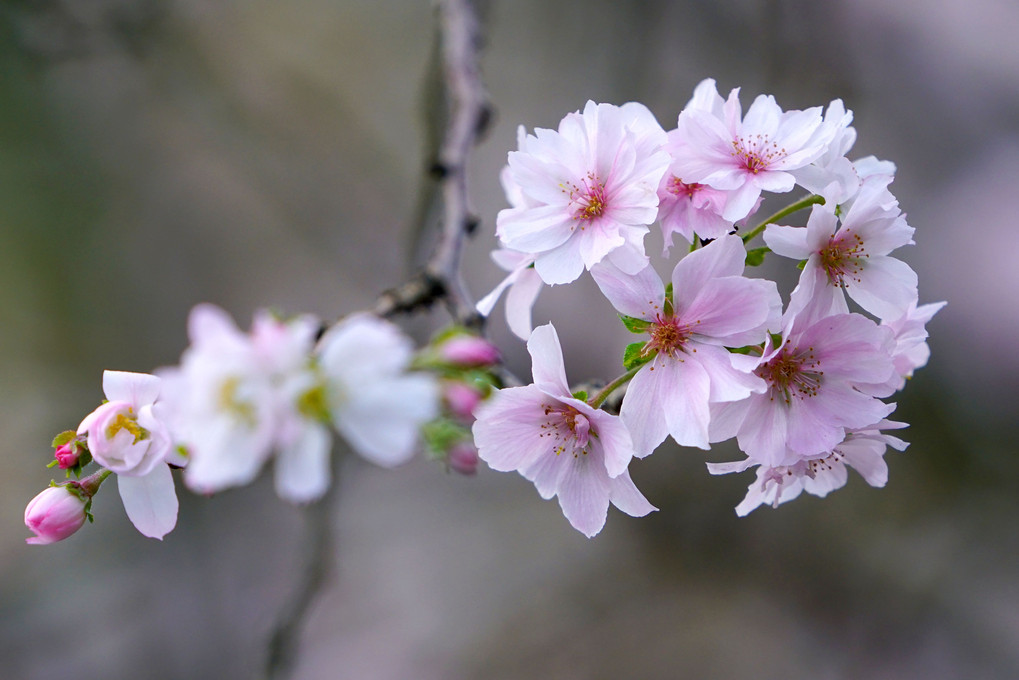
(464, 104)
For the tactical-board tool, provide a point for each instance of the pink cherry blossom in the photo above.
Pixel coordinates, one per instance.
(911, 351)
(818, 380)
(587, 191)
(862, 449)
(713, 307)
(745, 155)
(128, 435)
(850, 258)
(832, 175)
(562, 444)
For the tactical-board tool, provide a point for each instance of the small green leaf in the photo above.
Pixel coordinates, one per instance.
(755, 256)
(634, 355)
(580, 394)
(776, 339)
(801, 264)
(744, 350)
(63, 438)
(635, 325)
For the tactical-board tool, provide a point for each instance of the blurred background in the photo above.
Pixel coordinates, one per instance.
(157, 154)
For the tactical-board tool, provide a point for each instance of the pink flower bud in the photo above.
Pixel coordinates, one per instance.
(469, 350)
(463, 458)
(66, 455)
(461, 399)
(54, 514)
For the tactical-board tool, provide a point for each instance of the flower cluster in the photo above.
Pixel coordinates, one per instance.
(235, 401)
(801, 385)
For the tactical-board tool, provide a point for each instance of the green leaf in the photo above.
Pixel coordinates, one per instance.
(634, 355)
(755, 256)
(63, 438)
(580, 394)
(441, 434)
(801, 264)
(635, 325)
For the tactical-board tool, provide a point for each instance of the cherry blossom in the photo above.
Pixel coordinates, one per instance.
(862, 449)
(818, 380)
(373, 401)
(589, 191)
(852, 257)
(565, 446)
(236, 398)
(746, 155)
(128, 435)
(713, 306)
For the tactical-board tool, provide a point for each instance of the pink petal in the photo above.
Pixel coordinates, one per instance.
(547, 361)
(584, 495)
(641, 296)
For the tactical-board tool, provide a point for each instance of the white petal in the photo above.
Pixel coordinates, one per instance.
(302, 466)
(150, 501)
(137, 389)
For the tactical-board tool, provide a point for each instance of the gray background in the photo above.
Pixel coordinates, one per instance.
(158, 154)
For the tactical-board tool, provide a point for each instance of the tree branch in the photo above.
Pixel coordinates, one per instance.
(467, 116)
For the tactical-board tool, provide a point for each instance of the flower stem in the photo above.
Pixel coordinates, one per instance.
(91, 484)
(788, 210)
(599, 399)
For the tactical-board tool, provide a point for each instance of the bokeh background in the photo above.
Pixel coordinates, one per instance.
(157, 154)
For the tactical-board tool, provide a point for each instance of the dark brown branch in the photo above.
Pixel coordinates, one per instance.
(462, 118)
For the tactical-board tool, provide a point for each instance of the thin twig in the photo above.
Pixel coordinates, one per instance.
(283, 644)
(468, 114)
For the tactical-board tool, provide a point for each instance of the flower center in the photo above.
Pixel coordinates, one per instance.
(843, 258)
(127, 421)
(792, 373)
(569, 430)
(589, 201)
(678, 187)
(756, 153)
(232, 400)
(668, 337)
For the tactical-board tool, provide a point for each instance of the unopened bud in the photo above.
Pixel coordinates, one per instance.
(67, 455)
(55, 514)
(469, 350)
(461, 399)
(463, 458)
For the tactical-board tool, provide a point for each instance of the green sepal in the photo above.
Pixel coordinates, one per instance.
(633, 356)
(440, 435)
(755, 256)
(668, 307)
(63, 438)
(581, 395)
(744, 350)
(635, 325)
(801, 264)
(776, 339)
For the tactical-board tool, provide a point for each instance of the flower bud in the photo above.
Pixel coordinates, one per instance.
(469, 350)
(66, 455)
(463, 458)
(461, 399)
(55, 514)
